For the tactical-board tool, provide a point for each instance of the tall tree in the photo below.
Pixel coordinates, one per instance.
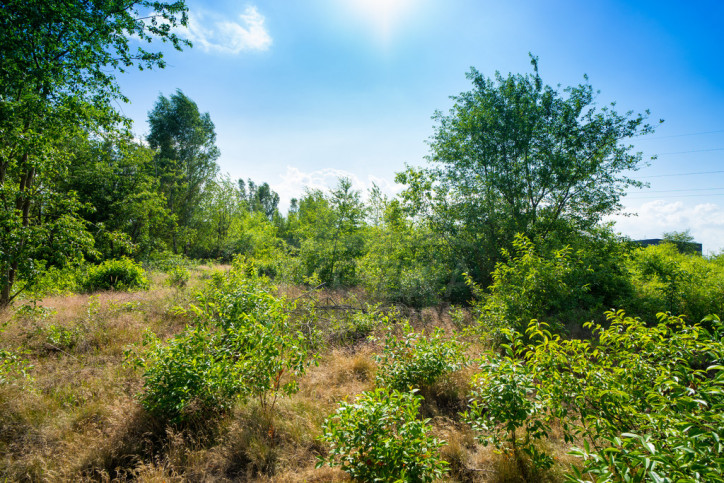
(329, 229)
(260, 198)
(516, 156)
(222, 211)
(57, 77)
(120, 199)
(186, 158)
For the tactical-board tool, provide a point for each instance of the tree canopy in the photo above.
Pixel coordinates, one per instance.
(516, 156)
(57, 81)
(186, 153)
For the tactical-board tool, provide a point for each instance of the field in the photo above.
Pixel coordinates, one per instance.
(76, 416)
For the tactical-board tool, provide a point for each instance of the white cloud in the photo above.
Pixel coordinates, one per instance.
(705, 220)
(294, 182)
(213, 33)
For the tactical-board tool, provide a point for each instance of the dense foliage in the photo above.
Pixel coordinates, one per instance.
(645, 402)
(242, 345)
(123, 274)
(379, 438)
(416, 359)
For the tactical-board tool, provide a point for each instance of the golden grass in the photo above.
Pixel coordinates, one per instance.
(78, 420)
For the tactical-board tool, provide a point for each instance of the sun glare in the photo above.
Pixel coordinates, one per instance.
(382, 15)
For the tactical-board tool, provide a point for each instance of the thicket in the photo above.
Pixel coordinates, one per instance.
(509, 212)
(642, 402)
(241, 345)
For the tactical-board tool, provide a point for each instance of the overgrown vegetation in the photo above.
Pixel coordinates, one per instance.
(380, 438)
(241, 345)
(161, 320)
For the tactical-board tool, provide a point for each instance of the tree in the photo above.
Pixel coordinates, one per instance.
(219, 220)
(684, 241)
(186, 157)
(516, 156)
(120, 199)
(329, 229)
(260, 198)
(57, 78)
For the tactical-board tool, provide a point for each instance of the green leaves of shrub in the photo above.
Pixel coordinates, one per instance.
(243, 345)
(529, 285)
(378, 438)
(416, 359)
(504, 406)
(648, 401)
(12, 364)
(178, 276)
(121, 274)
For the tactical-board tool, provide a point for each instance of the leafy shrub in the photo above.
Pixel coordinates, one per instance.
(416, 360)
(121, 274)
(648, 402)
(12, 364)
(504, 407)
(62, 338)
(178, 276)
(528, 286)
(243, 345)
(681, 284)
(355, 326)
(378, 438)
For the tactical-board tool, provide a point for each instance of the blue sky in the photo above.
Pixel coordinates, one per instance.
(303, 92)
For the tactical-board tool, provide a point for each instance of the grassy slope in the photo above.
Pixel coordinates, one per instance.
(78, 419)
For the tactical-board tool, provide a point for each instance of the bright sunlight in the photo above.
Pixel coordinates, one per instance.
(383, 15)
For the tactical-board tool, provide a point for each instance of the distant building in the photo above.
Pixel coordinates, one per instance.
(683, 246)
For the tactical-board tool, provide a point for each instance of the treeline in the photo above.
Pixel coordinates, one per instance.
(519, 178)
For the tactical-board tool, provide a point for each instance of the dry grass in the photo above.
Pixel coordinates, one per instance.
(78, 420)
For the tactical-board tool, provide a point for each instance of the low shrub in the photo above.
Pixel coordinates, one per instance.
(242, 345)
(12, 363)
(379, 438)
(416, 360)
(62, 338)
(505, 409)
(354, 326)
(647, 403)
(121, 274)
(178, 276)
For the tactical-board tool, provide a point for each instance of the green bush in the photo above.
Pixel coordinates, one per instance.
(121, 274)
(62, 338)
(178, 276)
(12, 365)
(243, 345)
(416, 360)
(682, 284)
(379, 438)
(354, 326)
(530, 285)
(504, 407)
(647, 402)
